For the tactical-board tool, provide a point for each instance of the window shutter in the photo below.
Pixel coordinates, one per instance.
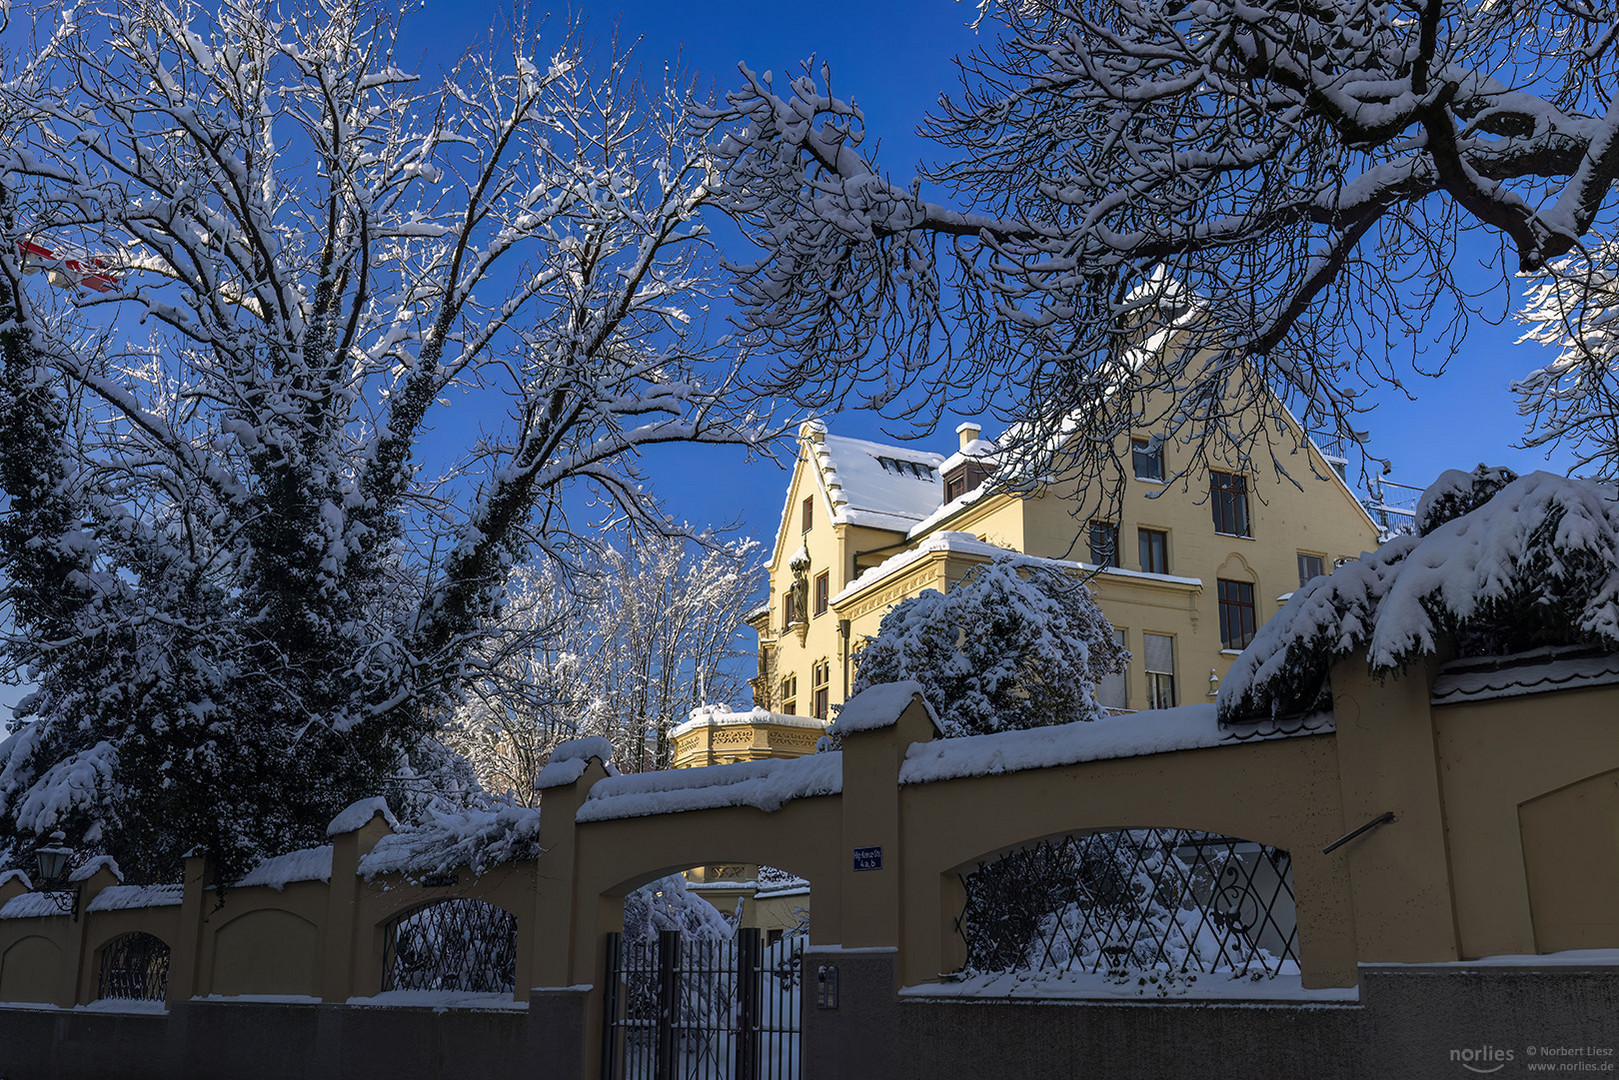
(1159, 650)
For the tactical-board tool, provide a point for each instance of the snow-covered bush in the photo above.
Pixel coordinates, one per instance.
(1501, 564)
(667, 904)
(1018, 643)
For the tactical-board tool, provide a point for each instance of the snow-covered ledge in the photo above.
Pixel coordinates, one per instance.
(880, 706)
(570, 759)
(721, 716)
(1157, 731)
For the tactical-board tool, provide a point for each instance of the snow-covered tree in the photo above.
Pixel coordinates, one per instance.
(624, 651)
(1298, 173)
(1573, 306)
(243, 580)
(1498, 564)
(1018, 643)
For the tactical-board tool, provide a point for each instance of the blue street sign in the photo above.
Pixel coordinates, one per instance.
(868, 858)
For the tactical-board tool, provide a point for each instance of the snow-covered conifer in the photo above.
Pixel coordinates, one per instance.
(1502, 564)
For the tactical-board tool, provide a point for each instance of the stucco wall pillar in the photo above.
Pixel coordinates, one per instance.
(88, 965)
(872, 757)
(566, 946)
(184, 973)
(348, 968)
(1399, 872)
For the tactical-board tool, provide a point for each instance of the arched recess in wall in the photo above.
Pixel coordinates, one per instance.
(1102, 902)
(1572, 884)
(133, 966)
(266, 951)
(30, 970)
(453, 944)
(735, 858)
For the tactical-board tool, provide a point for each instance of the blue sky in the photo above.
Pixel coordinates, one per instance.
(894, 59)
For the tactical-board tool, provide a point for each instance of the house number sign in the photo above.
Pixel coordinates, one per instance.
(868, 858)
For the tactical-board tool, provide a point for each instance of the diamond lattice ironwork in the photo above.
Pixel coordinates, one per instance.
(465, 945)
(134, 967)
(1133, 900)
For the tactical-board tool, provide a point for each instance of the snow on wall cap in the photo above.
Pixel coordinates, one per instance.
(570, 759)
(880, 706)
(15, 875)
(359, 815)
(90, 869)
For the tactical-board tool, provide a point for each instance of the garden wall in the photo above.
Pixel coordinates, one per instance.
(1504, 839)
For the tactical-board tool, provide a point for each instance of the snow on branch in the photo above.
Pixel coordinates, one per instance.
(1256, 152)
(475, 839)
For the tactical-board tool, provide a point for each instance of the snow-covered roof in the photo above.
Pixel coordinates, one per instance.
(32, 905)
(958, 543)
(475, 839)
(867, 483)
(725, 716)
(961, 543)
(129, 897)
(1159, 731)
(981, 451)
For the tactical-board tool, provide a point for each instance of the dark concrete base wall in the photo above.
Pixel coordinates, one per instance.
(1410, 1023)
(993, 1040)
(208, 1040)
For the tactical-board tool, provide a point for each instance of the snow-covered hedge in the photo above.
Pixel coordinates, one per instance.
(1499, 564)
(476, 839)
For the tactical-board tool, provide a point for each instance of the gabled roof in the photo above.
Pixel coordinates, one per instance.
(867, 483)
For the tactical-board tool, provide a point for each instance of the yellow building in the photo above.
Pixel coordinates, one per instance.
(1185, 572)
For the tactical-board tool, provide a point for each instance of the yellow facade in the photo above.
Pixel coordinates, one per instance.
(806, 664)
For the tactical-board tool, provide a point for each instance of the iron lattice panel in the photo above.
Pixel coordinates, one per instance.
(705, 1010)
(1133, 900)
(134, 967)
(464, 945)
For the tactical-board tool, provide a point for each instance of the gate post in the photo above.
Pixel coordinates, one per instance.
(668, 1002)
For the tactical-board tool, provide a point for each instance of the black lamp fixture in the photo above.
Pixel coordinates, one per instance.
(53, 863)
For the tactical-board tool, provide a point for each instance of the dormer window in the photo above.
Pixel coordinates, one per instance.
(965, 477)
(916, 470)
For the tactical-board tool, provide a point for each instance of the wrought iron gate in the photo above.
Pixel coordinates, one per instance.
(713, 1010)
